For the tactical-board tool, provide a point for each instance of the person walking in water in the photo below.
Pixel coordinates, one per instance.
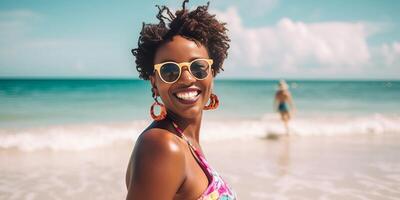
(283, 103)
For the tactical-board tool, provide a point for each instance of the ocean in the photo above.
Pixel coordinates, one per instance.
(82, 114)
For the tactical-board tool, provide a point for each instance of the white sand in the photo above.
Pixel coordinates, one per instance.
(345, 167)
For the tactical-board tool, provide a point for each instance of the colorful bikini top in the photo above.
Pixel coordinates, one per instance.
(217, 189)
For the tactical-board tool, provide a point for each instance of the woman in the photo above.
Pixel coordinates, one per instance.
(283, 103)
(180, 59)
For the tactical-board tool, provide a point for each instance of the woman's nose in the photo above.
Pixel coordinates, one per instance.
(186, 76)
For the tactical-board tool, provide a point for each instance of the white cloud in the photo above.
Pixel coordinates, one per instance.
(292, 46)
(391, 53)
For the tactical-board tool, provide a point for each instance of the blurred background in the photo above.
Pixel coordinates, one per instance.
(71, 103)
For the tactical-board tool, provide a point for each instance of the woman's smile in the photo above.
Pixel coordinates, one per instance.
(187, 95)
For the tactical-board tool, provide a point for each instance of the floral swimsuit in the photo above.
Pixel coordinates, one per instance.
(217, 189)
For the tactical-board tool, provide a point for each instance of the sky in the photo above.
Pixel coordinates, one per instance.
(270, 39)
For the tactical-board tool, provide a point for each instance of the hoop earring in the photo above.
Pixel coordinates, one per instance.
(214, 103)
(163, 111)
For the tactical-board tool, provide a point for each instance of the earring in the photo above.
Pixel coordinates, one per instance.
(214, 103)
(163, 111)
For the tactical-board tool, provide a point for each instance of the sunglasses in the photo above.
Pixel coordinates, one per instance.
(170, 72)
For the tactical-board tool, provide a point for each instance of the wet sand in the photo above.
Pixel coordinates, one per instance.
(308, 167)
(346, 167)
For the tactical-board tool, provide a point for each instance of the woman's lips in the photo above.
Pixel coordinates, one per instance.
(187, 95)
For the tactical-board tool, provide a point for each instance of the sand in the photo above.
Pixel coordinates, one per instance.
(346, 167)
(308, 167)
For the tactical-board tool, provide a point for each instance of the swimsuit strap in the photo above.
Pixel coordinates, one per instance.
(183, 136)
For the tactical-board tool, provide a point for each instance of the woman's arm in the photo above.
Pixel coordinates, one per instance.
(157, 167)
(291, 103)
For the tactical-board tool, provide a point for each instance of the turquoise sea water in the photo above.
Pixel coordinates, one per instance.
(326, 107)
(41, 102)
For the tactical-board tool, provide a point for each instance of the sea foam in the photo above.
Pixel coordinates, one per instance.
(88, 136)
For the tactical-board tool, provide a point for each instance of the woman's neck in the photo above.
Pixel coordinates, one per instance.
(189, 126)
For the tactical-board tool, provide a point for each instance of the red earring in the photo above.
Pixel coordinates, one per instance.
(214, 103)
(163, 111)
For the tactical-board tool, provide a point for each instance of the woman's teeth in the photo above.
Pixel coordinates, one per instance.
(187, 95)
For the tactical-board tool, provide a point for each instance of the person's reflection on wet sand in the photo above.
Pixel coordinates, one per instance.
(283, 160)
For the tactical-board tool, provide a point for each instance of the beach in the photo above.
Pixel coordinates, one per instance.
(72, 139)
(316, 167)
(347, 167)
(287, 100)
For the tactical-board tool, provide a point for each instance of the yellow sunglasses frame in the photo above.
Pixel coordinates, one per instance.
(157, 68)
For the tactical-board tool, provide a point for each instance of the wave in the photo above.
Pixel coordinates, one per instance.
(70, 137)
(344, 125)
(89, 136)
(303, 126)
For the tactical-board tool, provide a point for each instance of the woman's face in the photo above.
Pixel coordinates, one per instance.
(187, 96)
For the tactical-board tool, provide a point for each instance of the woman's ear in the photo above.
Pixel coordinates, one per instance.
(153, 85)
(152, 81)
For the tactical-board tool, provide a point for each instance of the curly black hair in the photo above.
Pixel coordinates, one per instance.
(197, 25)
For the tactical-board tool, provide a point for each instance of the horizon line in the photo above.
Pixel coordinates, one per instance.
(217, 79)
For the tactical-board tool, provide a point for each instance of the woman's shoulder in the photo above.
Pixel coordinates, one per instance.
(159, 142)
(155, 150)
(283, 92)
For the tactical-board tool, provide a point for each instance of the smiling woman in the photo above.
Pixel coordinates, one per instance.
(181, 60)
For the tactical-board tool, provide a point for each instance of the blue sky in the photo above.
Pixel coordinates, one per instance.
(270, 38)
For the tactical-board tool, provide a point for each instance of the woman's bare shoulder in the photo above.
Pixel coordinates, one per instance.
(158, 139)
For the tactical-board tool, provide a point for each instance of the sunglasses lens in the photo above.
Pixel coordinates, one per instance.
(199, 69)
(169, 72)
